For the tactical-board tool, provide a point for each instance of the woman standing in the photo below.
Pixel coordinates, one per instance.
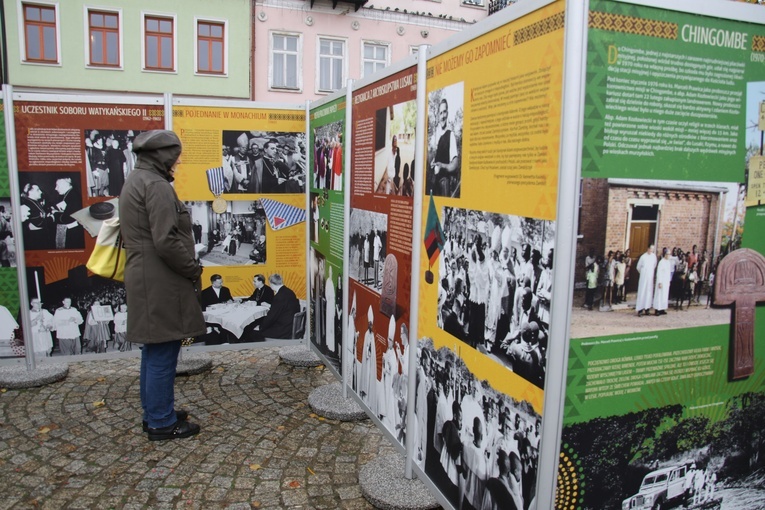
(161, 279)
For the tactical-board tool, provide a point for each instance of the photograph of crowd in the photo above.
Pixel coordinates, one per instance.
(7, 245)
(109, 159)
(494, 286)
(368, 246)
(263, 162)
(656, 257)
(445, 118)
(328, 156)
(380, 369)
(235, 237)
(480, 447)
(80, 314)
(326, 307)
(394, 149)
(48, 200)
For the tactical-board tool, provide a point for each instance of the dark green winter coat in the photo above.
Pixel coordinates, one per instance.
(161, 272)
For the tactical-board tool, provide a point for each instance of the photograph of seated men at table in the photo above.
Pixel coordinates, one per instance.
(216, 297)
(271, 312)
(236, 237)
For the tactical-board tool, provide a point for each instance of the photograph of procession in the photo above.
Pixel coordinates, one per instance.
(648, 252)
(494, 286)
(328, 156)
(81, 313)
(480, 447)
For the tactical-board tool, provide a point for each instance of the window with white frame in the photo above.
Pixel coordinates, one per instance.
(285, 61)
(211, 47)
(40, 33)
(103, 38)
(375, 56)
(331, 64)
(159, 43)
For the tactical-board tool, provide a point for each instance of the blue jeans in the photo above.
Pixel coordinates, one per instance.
(158, 364)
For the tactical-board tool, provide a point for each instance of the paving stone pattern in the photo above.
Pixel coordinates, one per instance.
(78, 443)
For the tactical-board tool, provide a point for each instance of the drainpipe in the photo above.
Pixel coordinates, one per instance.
(252, 49)
(4, 56)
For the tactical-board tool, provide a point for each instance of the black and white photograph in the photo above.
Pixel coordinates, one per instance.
(79, 314)
(445, 118)
(326, 307)
(11, 343)
(394, 149)
(264, 162)
(480, 447)
(316, 199)
(328, 156)
(109, 159)
(494, 286)
(7, 245)
(368, 247)
(265, 309)
(673, 457)
(236, 237)
(48, 200)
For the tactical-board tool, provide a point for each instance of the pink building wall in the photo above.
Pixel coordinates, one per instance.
(372, 23)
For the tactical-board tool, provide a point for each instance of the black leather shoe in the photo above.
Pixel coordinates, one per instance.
(180, 415)
(180, 430)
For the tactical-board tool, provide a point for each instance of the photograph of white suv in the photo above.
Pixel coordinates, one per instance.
(661, 489)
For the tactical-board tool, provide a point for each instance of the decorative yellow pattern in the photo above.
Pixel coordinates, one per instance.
(299, 117)
(633, 25)
(568, 486)
(539, 29)
(758, 43)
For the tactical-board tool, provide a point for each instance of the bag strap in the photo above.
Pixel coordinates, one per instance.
(119, 255)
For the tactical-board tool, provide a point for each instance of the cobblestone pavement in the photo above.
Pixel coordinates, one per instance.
(78, 443)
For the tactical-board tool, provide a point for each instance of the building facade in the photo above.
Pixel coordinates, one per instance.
(304, 50)
(621, 214)
(285, 51)
(182, 46)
